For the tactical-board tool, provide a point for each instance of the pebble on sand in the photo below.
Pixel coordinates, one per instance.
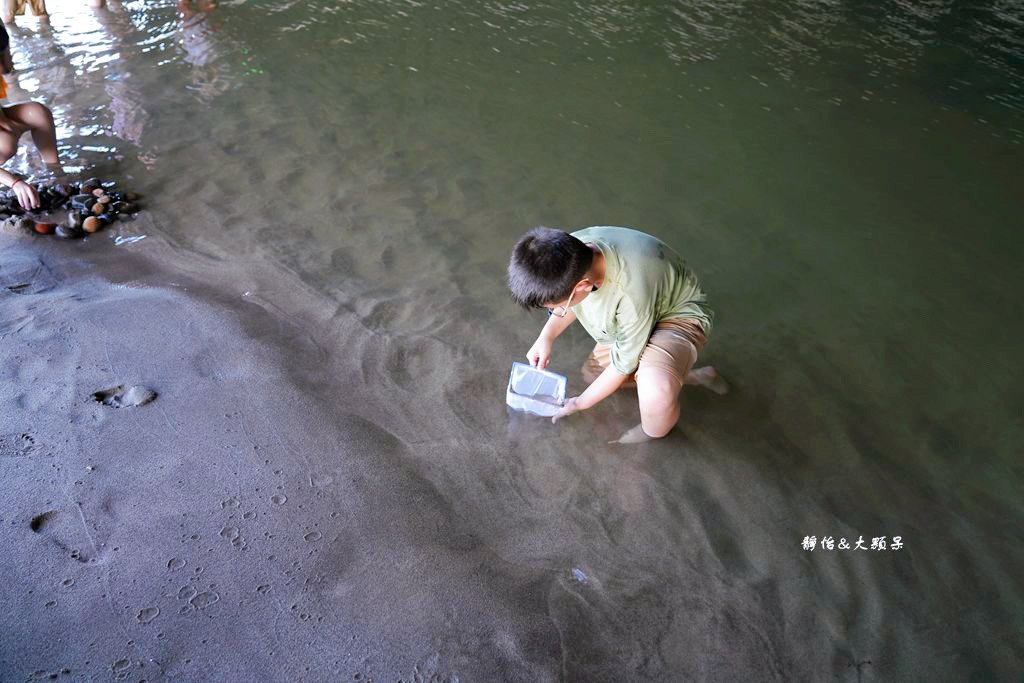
(68, 232)
(89, 207)
(121, 396)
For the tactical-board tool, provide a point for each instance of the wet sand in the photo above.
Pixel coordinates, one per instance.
(267, 517)
(256, 521)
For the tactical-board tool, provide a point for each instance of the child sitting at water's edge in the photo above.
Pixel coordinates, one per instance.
(15, 121)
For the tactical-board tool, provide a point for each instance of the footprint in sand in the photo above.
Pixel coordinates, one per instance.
(148, 614)
(26, 276)
(63, 530)
(121, 396)
(40, 521)
(204, 599)
(17, 445)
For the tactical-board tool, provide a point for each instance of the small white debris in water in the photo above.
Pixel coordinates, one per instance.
(579, 575)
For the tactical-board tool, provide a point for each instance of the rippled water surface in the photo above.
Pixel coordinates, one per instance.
(844, 177)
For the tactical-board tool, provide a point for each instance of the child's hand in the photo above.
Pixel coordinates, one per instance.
(27, 195)
(570, 406)
(539, 354)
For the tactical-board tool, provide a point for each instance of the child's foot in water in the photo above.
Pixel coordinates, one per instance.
(634, 435)
(708, 378)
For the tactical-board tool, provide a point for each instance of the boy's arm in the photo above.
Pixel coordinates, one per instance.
(26, 194)
(556, 326)
(634, 329)
(606, 384)
(539, 354)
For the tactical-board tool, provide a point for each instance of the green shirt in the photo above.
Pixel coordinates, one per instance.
(645, 282)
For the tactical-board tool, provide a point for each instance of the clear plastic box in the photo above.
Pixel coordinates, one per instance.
(535, 391)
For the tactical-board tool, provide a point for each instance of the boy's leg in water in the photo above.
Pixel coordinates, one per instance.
(657, 391)
(665, 366)
(9, 140)
(9, 9)
(36, 118)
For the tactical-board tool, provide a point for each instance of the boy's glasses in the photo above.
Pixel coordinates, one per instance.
(562, 311)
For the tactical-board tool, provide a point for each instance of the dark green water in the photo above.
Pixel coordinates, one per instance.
(844, 177)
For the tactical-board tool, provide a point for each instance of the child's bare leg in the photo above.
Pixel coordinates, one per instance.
(8, 148)
(658, 392)
(8, 145)
(39, 9)
(708, 378)
(38, 119)
(9, 8)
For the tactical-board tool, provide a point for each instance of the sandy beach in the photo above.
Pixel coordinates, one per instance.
(250, 523)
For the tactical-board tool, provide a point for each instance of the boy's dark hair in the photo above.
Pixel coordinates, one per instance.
(545, 265)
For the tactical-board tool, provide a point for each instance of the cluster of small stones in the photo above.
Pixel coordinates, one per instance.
(90, 207)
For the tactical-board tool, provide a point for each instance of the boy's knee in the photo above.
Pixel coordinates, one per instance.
(657, 390)
(39, 114)
(31, 115)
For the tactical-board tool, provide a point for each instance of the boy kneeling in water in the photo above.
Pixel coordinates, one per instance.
(636, 298)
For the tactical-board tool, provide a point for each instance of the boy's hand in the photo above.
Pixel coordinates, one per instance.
(27, 195)
(571, 406)
(539, 354)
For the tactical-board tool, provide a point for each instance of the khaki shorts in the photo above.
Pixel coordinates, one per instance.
(672, 347)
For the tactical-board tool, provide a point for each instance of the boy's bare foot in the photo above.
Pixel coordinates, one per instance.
(634, 435)
(708, 378)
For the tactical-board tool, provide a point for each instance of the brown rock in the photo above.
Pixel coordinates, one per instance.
(99, 192)
(45, 228)
(104, 199)
(98, 208)
(92, 224)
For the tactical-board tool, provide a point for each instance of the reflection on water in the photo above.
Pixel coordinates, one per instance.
(845, 179)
